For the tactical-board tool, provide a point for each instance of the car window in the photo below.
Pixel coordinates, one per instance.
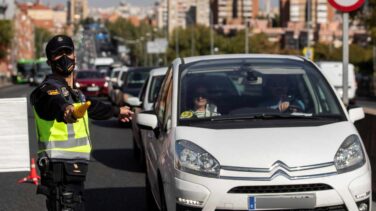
(89, 75)
(155, 86)
(167, 115)
(123, 76)
(160, 105)
(136, 79)
(143, 91)
(115, 74)
(248, 87)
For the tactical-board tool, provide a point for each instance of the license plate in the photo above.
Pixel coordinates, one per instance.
(93, 89)
(291, 201)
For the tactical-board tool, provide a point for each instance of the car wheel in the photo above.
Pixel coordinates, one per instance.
(151, 205)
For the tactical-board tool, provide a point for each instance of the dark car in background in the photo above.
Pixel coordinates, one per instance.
(133, 82)
(91, 83)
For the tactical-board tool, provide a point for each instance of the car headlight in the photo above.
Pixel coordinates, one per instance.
(350, 155)
(195, 160)
(77, 85)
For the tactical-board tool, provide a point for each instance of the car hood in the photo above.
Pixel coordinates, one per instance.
(294, 146)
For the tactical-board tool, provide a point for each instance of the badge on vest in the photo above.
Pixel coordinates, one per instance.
(65, 91)
(53, 92)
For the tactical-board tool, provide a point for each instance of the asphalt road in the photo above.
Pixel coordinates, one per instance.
(114, 182)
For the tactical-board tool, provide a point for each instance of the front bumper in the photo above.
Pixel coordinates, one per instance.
(213, 193)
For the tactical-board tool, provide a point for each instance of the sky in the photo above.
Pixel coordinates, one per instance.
(111, 3)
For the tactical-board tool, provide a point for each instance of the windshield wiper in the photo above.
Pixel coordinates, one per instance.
(265, 116)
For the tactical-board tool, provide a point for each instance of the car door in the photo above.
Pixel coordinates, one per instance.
(155, 139)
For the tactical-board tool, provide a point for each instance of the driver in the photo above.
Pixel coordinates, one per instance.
(279, 97)
(202, 107)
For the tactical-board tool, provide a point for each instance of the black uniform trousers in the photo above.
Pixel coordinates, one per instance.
(63, 184)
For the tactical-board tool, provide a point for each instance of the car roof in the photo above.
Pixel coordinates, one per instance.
(123, 68)
(158, 71)
(240, 56)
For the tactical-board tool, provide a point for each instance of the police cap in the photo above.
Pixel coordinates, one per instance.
(58, 43)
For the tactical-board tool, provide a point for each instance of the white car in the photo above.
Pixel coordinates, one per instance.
(116, 80)
(219, 138)
(334, 72)
(144, 102)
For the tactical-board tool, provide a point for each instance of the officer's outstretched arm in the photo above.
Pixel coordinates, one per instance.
(49, 104)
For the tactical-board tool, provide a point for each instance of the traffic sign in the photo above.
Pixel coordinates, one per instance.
(346, 5)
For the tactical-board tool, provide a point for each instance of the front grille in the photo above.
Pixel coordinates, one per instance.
(331, 208)
(280, 188)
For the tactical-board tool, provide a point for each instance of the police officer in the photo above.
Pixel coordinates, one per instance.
(63, 139)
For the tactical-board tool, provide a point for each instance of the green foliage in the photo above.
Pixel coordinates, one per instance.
(41, 37)
(6, 34)
(359, 56)
(234, 44)
(370, 19)
(135, 37)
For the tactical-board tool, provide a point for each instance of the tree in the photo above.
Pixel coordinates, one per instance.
(41, 36)
(135, 37)
(369, 19)
(6, 34)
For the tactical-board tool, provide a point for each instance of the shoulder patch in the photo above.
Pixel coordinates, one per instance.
(53, 92)
(65, 91)
(186, 114)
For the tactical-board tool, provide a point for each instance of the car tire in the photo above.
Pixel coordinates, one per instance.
(151, 205)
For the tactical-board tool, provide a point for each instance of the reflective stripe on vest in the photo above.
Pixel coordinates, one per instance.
(63, 141)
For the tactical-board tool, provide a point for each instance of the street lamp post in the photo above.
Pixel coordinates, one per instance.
(211, 32)
(246, 37)
(192, 34)
(308, 23)
(177, 42)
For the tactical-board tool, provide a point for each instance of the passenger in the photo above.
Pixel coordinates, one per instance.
(279, 97)
(202, 107)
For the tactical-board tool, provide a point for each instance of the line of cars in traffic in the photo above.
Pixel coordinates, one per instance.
(241, 132)
(248, 132)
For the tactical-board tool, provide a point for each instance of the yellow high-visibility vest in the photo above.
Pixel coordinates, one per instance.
(59, 140)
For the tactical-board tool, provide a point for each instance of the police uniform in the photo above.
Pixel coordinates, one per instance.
(63, 148)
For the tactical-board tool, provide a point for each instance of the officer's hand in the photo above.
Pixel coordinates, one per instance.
(125, 114)
(68, 115)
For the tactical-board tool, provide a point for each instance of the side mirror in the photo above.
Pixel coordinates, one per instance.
(147, 121)
(133, 102)
(356, 114)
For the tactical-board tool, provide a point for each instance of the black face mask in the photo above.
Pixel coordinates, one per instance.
(64, 65)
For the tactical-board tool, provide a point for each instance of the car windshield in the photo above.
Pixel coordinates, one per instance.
(89, 75)
(254, 88)
(155, 87)
(136, 79)
(24, 68)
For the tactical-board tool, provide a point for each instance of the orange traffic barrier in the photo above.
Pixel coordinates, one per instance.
(33, 176)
